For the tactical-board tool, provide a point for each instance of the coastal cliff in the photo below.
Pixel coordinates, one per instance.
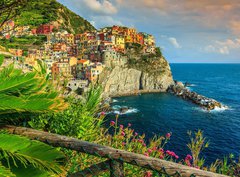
(137, 76)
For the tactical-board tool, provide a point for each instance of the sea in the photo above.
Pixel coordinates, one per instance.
(160, 113)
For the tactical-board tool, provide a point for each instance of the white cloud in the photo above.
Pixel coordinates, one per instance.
(103, 7)
(223, 47)
(103, 21)
(174, 42)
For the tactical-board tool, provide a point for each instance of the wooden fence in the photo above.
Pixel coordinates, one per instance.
(116, 157)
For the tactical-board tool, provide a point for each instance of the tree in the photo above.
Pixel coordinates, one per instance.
(10, 9)
(26, 93)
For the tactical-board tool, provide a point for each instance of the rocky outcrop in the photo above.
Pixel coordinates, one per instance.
(180, 90)
(125, 80)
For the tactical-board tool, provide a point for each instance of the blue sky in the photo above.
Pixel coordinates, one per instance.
(192, 31)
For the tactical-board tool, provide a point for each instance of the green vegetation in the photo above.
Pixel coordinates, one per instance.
(41, 12)
(24, 42)
(10, 9)
(31, 93)
(158, 52)
(78, 120)
(26, 93)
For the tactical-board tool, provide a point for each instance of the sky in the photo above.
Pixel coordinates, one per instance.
(188, 31)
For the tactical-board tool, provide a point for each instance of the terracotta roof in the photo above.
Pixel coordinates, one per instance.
(82, 61)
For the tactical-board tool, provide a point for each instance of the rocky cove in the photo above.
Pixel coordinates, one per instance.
(153, 76)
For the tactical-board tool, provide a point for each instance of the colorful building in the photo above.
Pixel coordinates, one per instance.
(93, 72)
(120, 42)
(45, 29)
(16, 52)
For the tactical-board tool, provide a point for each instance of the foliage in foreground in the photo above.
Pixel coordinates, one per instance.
(26, 93)
(79, 120)
(69, 123)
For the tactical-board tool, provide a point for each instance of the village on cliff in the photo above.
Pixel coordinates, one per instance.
(79, 58)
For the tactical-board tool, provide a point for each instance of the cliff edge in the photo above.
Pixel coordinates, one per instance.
(140, 74)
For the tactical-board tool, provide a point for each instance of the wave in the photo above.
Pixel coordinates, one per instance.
(114, 101)
(117, 110)
(129, 111)
(215, 110)
(189, 88)
(218, 109)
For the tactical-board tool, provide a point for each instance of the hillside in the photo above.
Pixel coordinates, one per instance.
(141, 74)
(45, 11)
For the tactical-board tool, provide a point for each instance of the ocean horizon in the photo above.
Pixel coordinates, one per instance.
(160, 113)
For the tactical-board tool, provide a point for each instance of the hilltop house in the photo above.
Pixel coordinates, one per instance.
(45, 29)
(92, 72)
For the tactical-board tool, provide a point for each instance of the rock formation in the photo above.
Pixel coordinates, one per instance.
(142, 77)
(180, 90)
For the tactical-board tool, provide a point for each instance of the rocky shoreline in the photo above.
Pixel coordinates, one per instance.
(180, 90)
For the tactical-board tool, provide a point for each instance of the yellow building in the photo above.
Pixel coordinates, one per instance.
(73, 61)
(120, 42)
(128, 39)
(70, 38)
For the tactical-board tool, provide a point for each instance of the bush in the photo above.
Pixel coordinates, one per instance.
(158, 52)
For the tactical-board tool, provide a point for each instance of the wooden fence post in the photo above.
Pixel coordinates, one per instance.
(116, 168)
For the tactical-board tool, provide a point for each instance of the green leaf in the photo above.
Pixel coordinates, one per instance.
(5, 172)
(1, 59)
(20, 152)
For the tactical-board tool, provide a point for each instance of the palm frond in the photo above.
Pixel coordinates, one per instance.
(5, 172)
(19, 151)
(93, 99)
(27, 92)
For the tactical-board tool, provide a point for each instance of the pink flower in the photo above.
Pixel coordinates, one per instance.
(103, 114)
(140, 141)
(150, 150)
(121, 126)
(187, 160)
(189, 157)
(172, 154)
(148, 174)
(129, 125)
(123, 143)
(123, 134)
(161, 156)
(112, 123)
(136, 134)
(154, 148)
(146, 154)
(168, 135)
(144, 144)
(161, 150)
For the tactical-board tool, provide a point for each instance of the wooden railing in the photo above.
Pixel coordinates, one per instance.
(116, 157)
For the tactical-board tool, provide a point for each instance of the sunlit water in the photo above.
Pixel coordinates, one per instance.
(161, 113)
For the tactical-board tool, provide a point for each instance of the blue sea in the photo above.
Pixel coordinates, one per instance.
(157, 114)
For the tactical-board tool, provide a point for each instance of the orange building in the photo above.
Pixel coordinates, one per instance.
(59, 47)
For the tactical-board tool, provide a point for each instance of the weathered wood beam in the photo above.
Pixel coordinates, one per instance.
(93, 170)
(111, 153)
